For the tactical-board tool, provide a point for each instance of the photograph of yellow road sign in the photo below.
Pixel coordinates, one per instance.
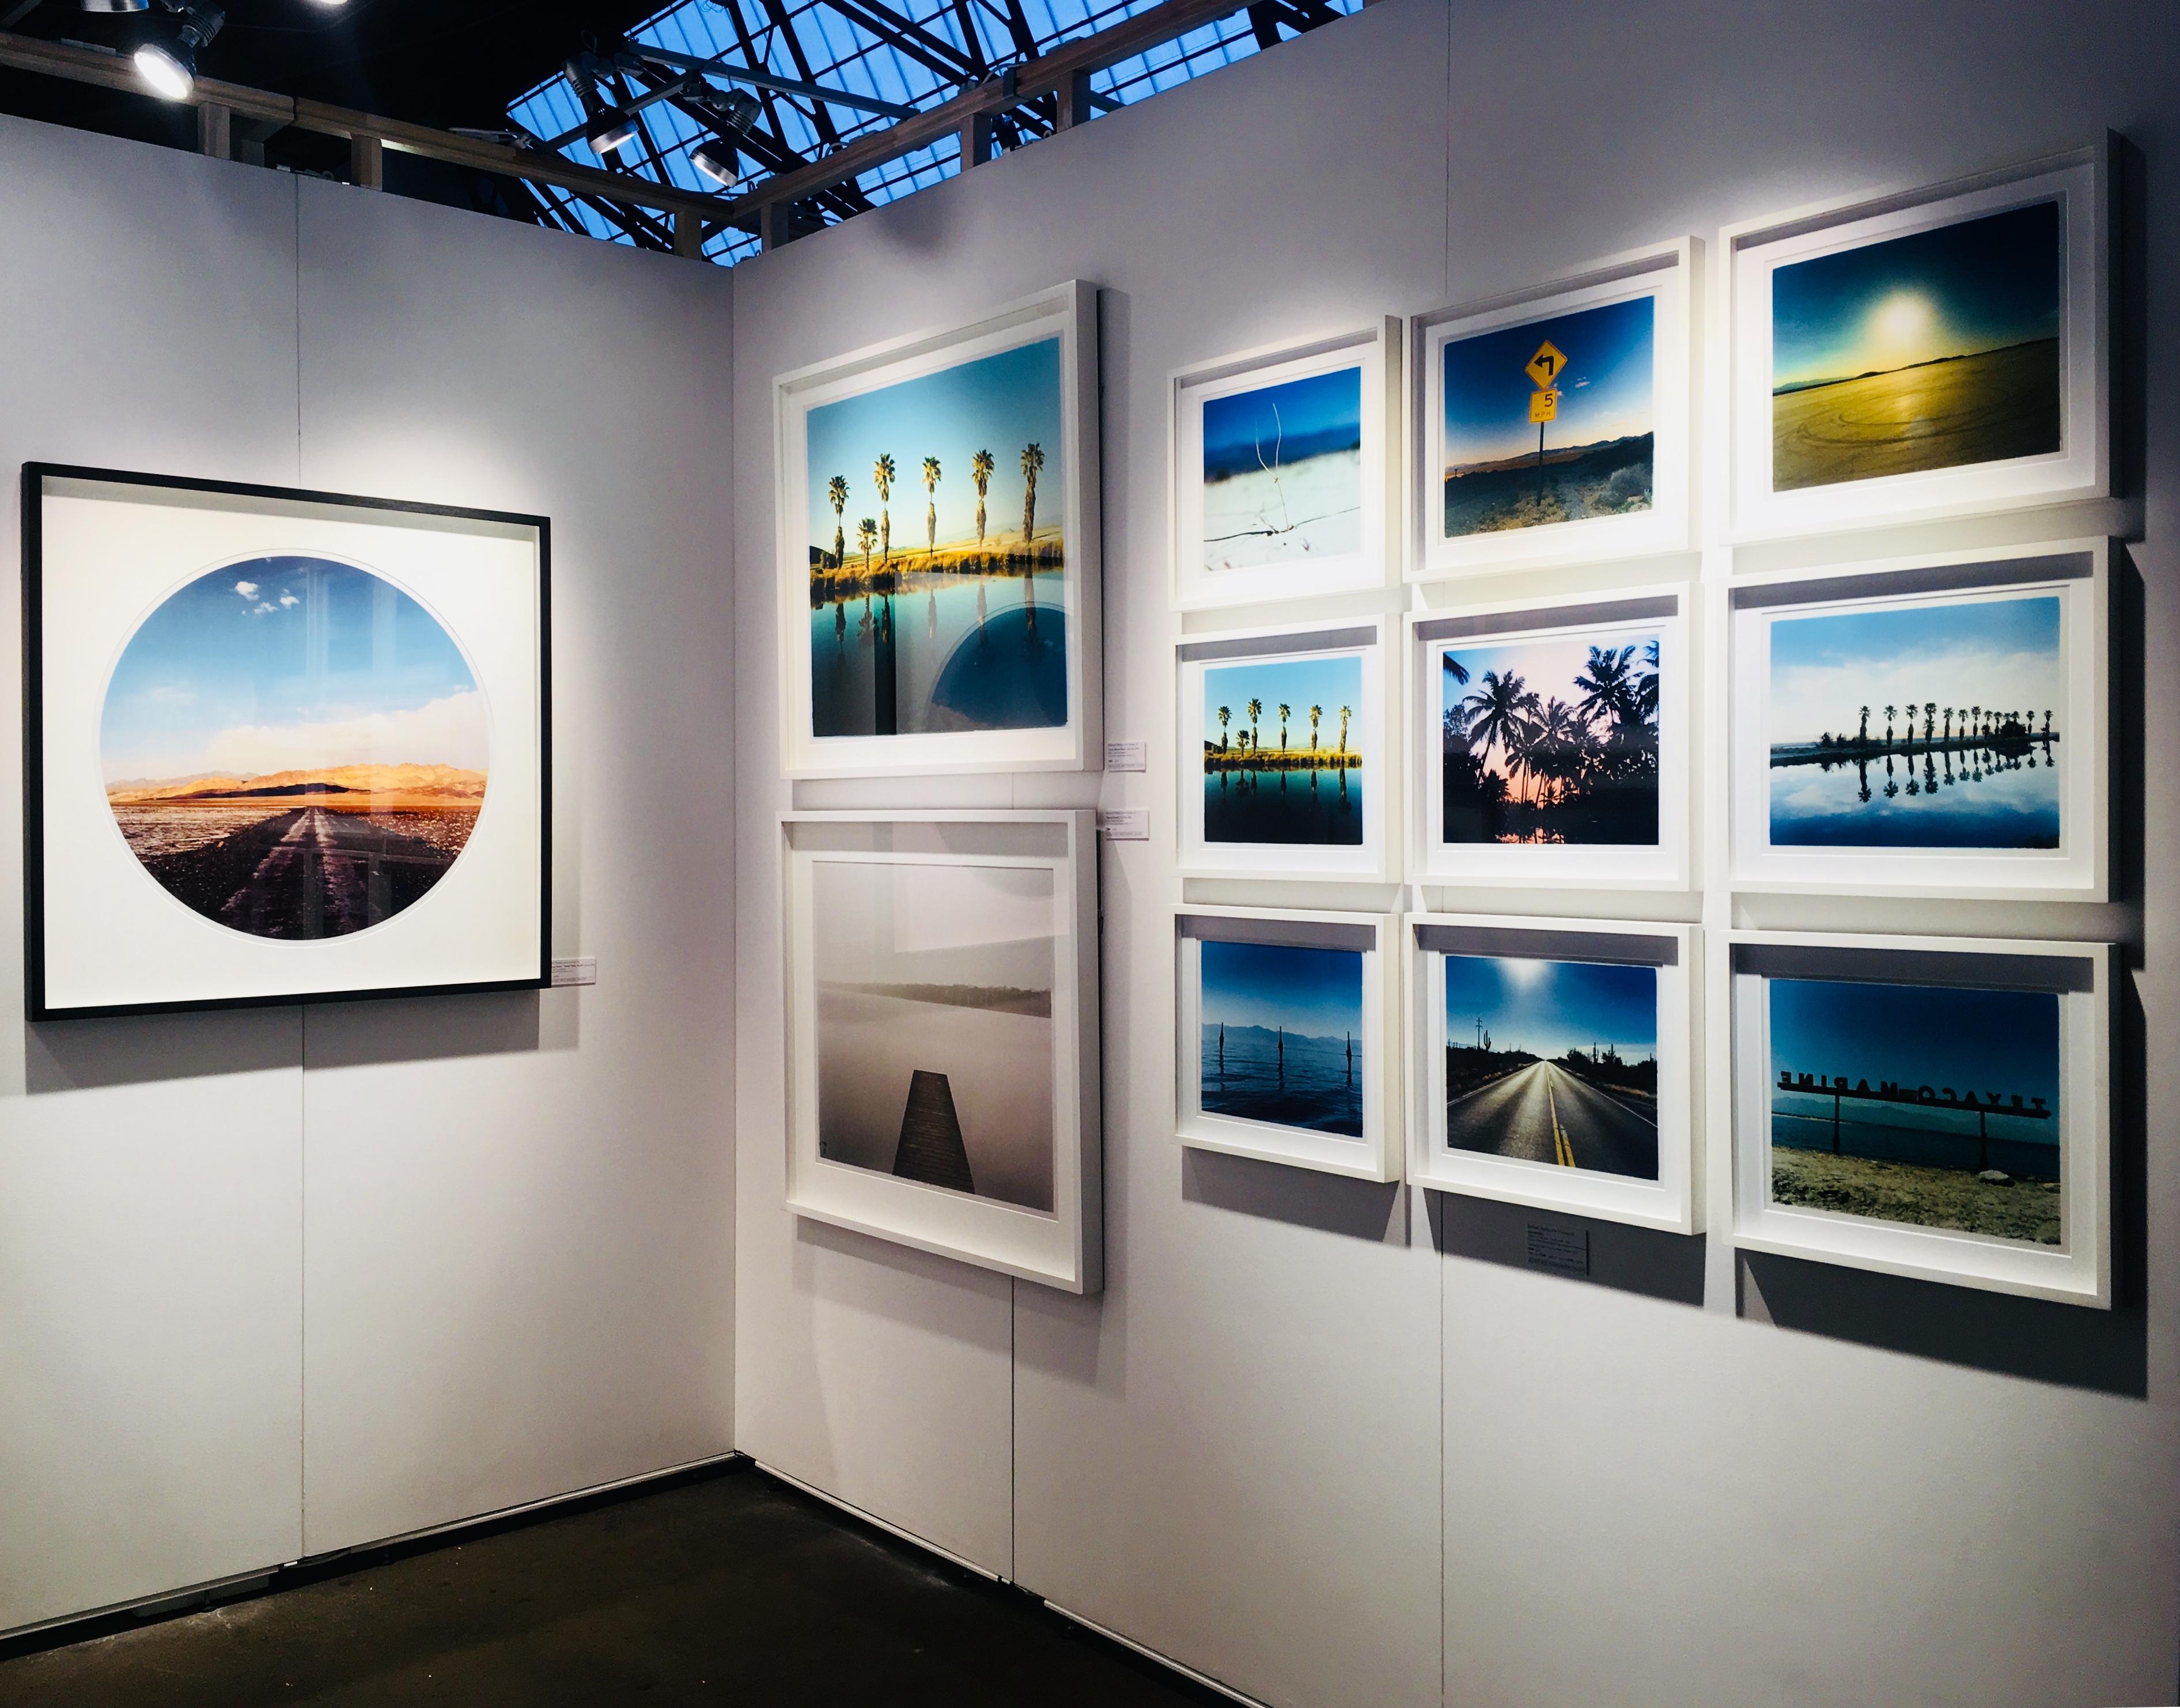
(1543, 406)
(1545, 367)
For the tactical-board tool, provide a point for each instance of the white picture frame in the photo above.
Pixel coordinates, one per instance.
(1742, 967)
(1066, 314)
(2074, 572)
(1199, 658)
(1671, 1202)
(1375, 1152)
(1060, 1246)
(1626, 615)
(1374, 352)
(1669, 274)
(1751, 253)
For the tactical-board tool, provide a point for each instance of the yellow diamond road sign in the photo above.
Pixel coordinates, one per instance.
(1545, 365)
(1543, 406)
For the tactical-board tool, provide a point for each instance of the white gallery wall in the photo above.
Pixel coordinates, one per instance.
(280, 1282)
(1330, 1443)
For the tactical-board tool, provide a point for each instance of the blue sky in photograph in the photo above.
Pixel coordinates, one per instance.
(1995, 653)
(1605, 390)
(1548, 667)
(1548, 1007)
(1298, 418)
(1331, 681)
(258, 665)
(1315, 992)
(998, 403)
(2002, 1041)
(1980, 285)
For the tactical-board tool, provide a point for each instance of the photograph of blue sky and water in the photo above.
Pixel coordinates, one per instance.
(1282, 758)
(1283, 472)
(1282, 1035)
(1917, 1104)
(1503, 469)
(952, 614)
(1553, 1062)
(1936, 725)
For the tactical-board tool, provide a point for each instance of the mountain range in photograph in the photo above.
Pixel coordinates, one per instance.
(1281, 1039)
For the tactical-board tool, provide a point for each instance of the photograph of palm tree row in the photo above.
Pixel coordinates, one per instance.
(1551, 740)
(1927, 351)
(1917, 1104)
(1282, 1035)
(294, 748)
(1284, 783)
(934, 1027)
(1502, 471)
(956, 617)
(1283, 472)
(1918, 726)
(1553, 1062)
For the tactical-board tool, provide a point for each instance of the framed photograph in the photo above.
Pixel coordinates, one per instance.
(1930, 726)
(1285, 480)
(1929, 354)
(962, 635)
(1553, 425)
(279, 746)
(1550, 742)
(1284, 770)
(1288, 1050)
(1923, 1106)
(942, 1034)
(1549, 1064)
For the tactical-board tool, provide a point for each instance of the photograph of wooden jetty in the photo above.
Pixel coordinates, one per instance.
(952, 616)
(1925, 725)
(294, 748)
(1553, 1062)
(1282, 1035)
(1917, 1104)
(1282, 758)
(934, 1032)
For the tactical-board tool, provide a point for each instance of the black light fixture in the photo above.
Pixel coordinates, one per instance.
(115, 5)
(717, 157)
(610, 130)
(166, 57)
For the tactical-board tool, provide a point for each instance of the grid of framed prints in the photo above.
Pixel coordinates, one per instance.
(942, 1034)
(280, 746)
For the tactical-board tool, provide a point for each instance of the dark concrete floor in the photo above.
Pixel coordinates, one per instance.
(733, 1588)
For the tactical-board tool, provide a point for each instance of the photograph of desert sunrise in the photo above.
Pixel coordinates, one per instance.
(294, 748)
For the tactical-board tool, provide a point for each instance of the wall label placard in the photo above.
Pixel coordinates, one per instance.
(1128, 825)
(1125, 755)
(1559, 1251)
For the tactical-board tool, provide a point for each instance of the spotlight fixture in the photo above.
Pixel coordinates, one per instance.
(610, 130)
(717, 157)
(115, 5)
(718, 160)
(166, 57)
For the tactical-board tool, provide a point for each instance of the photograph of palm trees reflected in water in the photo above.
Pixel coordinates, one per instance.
(1282, 1035)
(953, 615)
(1934, 725)
(1552, 740)
(1553, 1062)
(1282, 759)
(1917, 1104)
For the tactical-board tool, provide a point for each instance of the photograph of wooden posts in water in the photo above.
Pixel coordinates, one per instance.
(294, 748)
(1282, 1038)
(934, 1024)
(1283, 472)
(1551, 740)
(1917, 1104)
(1503, 468)
(1934, 725)
(952, 615)
(1928, 351)
(1553, 1062)
(1281, 751)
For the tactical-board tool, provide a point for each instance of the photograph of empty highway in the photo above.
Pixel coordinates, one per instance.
(1553, 1062)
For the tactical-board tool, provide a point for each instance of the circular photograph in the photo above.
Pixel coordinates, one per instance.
(294, 748)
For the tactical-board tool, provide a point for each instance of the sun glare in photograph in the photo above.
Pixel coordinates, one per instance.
(1282, 1035)
(1502, 470)
(1928, 351)
(1917, 1104)
(1283, 472)
(1282, 762)
(953, 615)
(293, 747)
(1933, 726)
(1553, 1062)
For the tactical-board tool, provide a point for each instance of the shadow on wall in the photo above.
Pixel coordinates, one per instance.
(1668, 1266)
(1303, 1197)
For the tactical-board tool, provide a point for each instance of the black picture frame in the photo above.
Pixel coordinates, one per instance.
(34, 477)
